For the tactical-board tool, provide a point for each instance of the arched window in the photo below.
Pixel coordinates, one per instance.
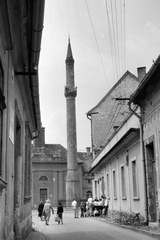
(43, 178)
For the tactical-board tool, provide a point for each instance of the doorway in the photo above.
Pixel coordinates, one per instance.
(151, 182)
(43, 194)
(17, 177)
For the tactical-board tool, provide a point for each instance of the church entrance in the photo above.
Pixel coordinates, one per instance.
(43, 194)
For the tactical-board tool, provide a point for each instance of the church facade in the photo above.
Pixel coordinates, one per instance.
(49, 171)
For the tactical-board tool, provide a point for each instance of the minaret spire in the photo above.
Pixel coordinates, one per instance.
(69, 57)
(72, 179)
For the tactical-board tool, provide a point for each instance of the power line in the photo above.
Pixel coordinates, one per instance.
(97, 43)
(110, 38)
(116, 25)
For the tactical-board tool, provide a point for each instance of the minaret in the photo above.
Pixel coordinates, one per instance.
(72, 180)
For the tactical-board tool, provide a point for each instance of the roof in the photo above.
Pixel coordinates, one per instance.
(108, 94)
(56, 151)
(126, 139)
(148, 82)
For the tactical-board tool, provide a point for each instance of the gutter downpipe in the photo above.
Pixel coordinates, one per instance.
(91, 135)
(36, 36)
(143, 160)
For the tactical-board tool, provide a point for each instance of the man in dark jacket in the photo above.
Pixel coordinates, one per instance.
(60, 213)
(40, 209)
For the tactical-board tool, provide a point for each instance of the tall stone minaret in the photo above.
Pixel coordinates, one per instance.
(72, 180)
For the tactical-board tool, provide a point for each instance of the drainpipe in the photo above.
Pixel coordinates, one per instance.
(91, 135)
(89, 117)
(35, 48)
(143, 160)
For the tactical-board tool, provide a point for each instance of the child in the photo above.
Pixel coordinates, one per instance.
(60, 213)
(95, 213)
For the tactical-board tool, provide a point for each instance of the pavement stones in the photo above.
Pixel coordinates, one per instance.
(36, 233)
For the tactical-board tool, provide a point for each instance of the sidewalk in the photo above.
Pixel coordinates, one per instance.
(36, 233)
(147, 230)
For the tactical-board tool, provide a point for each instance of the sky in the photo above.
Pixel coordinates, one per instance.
(108, 37)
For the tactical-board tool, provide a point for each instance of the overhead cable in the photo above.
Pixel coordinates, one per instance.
(97, 43)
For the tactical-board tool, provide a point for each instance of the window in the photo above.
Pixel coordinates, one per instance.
(114, 185)
(134, 179)
(123, 184)
(96, 188)
(102, 186)
(27, 176)
(108, 190)
(43, 178)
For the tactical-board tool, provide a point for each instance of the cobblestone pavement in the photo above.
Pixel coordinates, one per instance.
(38, 234)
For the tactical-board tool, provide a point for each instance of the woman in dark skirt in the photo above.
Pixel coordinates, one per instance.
(40, 209)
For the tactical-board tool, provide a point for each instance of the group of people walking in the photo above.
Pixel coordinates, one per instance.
(92, 207)
(45, 210)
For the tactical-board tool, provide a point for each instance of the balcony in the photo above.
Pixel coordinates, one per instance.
(70, 92)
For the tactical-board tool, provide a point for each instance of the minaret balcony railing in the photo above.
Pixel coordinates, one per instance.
(70, 92)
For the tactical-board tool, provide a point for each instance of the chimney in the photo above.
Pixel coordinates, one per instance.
(141, 73)
(40, 141)
(88, 151)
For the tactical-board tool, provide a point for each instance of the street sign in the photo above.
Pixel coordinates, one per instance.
(88, 176)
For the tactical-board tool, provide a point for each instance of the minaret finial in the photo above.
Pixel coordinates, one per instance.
(69, 38)
(69, 58)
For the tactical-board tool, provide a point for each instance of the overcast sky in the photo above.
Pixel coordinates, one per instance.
(93, 45)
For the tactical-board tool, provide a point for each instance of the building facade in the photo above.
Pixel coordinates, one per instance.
(118, 168)
(49, 172)
(111, 111)
(147, 97)
(20, 119)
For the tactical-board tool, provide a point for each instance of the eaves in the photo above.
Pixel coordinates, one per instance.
(149, 81)
(104, 157)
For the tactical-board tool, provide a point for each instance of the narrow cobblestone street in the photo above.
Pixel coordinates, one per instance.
(85, 228)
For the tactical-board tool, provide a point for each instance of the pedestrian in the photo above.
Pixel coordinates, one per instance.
(75, 209)
(87, 209)
(90, 205)
(82, 209)
(40, 210)
(47, 211)
(60, 213)
(106, 205)
(100, 206)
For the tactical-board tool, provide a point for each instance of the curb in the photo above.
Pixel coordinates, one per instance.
(149, 233)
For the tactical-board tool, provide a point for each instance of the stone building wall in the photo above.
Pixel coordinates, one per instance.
(109, 112)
